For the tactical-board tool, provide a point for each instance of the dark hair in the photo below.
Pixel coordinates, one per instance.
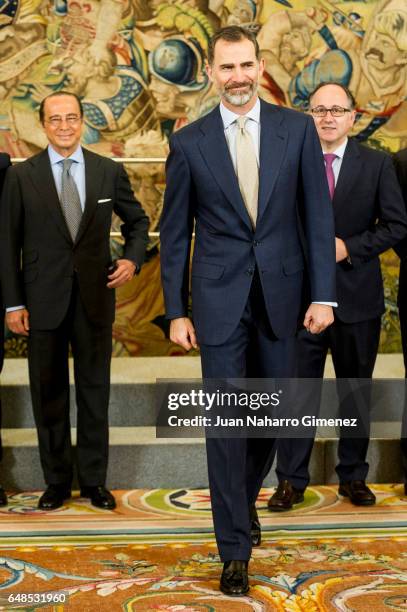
(231, 34)
(56, 94)
(349, 95)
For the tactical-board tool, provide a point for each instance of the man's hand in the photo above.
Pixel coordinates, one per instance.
(318, 317)
(124, 272)
(182, 332)
(18, 321)
(341, 250)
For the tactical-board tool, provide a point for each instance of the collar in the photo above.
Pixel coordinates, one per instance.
(228, 116)
(55, 157)
(340, 151)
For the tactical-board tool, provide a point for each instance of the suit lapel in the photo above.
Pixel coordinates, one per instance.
(273, 144)
(93, 181)
(43, 180)
(215, 151)
(348, 175)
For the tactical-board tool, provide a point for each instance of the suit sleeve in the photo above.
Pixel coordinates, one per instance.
(11, 232)
(4, 164)
(400, 162)
(176, 232)
(135, 222)
(391, 225)
(318, 219)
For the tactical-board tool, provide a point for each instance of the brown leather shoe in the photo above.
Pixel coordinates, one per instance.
(234, 581)
(358, 492)
(284, 497)
(255, 527)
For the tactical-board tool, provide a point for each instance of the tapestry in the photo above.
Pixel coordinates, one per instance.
(138, 67)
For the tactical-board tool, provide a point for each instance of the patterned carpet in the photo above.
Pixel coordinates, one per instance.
(156, 552)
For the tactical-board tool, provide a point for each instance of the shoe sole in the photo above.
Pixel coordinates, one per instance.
(235, 594)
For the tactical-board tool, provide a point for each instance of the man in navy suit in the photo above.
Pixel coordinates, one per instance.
(370, 218)
(4, 164)
(248, 264)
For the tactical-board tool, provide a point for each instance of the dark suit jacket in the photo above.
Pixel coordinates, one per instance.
(370, 217)
(4, 164)
(32, 225)
(202, 186)
(400, 160)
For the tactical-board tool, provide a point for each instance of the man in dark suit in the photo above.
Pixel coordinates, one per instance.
(369, 219)
(400, 160)
(55, 216)
(4, 164)
(241, 173)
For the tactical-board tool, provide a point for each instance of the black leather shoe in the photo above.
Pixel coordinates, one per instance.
(284, 497)
(255, 527)
(234, 580)
(3, 497)
(54, 497)
(99, 497)
(405, 488)
(359, 494)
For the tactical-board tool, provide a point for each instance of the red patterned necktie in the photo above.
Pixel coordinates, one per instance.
(329, 160)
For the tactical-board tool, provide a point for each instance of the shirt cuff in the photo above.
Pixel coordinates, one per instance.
(333, 304)
(13, 308)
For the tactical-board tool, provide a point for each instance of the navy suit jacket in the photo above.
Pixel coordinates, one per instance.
(370, 217)
(202, 187)
(400, 160)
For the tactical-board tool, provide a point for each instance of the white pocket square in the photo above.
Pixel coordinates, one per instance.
(105, 200)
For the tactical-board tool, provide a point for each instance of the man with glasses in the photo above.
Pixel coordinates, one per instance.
(370, 218)
(55, 219)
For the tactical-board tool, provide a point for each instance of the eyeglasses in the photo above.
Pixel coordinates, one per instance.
(57, 120)
(336, 111)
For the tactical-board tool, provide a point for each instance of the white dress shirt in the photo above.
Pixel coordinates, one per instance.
(337, 163)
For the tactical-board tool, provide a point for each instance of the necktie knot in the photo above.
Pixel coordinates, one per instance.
(66, 164)
(329, 158)
(241, 122)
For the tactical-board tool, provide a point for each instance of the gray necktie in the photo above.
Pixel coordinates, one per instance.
(70, 201)
(247, 169)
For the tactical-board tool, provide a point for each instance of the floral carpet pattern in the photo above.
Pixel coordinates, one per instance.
(156, 552)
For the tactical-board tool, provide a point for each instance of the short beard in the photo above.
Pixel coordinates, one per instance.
(239, 99)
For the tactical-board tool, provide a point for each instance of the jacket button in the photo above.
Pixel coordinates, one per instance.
(256, 243)
(250, 271)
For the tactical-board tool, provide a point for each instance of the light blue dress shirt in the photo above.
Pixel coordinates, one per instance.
(77, 171)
